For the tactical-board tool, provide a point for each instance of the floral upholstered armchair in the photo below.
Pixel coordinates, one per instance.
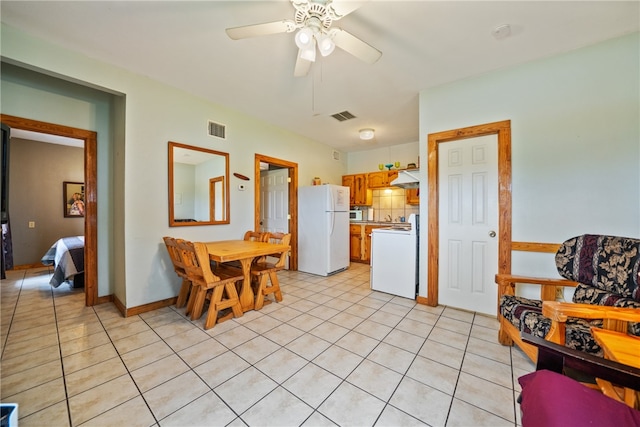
(605, 270)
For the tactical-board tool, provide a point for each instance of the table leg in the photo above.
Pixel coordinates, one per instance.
(246, 293)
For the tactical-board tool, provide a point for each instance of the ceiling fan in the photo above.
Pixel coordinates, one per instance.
(313, 19)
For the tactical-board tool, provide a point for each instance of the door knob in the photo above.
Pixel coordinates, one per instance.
(492, 233)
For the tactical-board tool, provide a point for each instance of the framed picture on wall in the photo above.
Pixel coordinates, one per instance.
(73, 199)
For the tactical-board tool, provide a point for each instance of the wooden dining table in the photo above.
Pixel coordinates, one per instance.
(244, 251)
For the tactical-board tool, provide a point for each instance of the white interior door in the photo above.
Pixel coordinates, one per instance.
(468, 221)
(274, 198)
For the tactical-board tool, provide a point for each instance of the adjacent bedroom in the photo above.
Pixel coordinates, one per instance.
(43, 189)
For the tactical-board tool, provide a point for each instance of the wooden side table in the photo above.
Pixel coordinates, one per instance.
(622, 348)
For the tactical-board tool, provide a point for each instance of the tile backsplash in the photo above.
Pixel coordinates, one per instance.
(391, 202)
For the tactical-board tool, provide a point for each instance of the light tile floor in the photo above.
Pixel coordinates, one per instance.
(333, 352)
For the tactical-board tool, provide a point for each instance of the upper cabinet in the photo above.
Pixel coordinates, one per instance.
(361, 186)
(381, 179)
(359, 193)
(413, 196)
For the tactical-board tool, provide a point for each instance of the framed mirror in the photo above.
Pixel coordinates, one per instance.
(198, 186)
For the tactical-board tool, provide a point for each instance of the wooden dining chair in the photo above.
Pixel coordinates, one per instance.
(263, 270)
(257, 236)
(219, 288)
(254, 236)
(178, 266)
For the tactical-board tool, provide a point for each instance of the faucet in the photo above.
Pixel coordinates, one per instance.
(387, 218)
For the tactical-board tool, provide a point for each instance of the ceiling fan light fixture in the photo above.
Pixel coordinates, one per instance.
(367, 133)
(304, 38)
(326, 45)
(309, 53)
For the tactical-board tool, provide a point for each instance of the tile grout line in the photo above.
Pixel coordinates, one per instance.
(292, 280)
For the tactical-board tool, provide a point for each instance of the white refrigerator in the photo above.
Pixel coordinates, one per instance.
(323, 229)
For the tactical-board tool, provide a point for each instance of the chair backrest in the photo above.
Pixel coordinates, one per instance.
(283, 239)
(174, 254)
(608, 263)
(257, 236)
(195, 258)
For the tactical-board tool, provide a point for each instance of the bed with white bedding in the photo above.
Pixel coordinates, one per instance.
(67, 257)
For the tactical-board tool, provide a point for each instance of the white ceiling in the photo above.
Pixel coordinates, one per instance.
(424, 44)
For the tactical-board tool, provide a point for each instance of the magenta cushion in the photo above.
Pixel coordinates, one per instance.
(550, 399)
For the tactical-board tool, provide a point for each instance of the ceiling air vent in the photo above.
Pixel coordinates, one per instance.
(345, 115)
(218, 130)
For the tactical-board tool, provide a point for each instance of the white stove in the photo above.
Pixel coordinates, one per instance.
(394, 259)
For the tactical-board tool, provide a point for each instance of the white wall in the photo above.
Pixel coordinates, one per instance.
(155, 114)
(38, 197)
(29, 94)
(575, 142)
(368, 161)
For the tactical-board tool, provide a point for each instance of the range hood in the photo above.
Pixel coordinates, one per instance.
(407, 179)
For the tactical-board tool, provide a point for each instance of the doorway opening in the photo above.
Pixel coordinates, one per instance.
(503, 131)
(90, 139)
(292, 171)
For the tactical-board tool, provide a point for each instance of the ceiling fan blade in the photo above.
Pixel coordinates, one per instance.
(284, 26)
(302, 66)
(342, 8)
(356, 47)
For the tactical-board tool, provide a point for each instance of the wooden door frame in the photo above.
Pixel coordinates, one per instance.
(503, 131)
(90, 139)
(293, 201)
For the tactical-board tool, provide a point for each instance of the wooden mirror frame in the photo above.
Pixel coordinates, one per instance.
(214, 180)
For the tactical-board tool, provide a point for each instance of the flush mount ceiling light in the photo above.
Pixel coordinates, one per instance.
(367, 134)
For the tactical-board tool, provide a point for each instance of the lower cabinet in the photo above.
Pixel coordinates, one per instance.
(355, 243)
(366, 257)
(360, 242)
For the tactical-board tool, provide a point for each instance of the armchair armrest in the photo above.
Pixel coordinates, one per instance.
(507, 282)
(559, 311)
(556, 358)
(614, 318)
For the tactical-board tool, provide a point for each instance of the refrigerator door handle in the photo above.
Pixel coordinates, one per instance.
(331, 200)
(332, 224)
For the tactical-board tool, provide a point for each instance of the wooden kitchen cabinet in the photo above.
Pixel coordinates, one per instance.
(359, 192)
(413, 196)
(366, 256)
(360, 242)
(349, 181)
(355, 243)
(381, 179)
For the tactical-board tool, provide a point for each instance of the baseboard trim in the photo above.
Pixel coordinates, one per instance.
(133, 311)
(105, 299)
(422, 300)
(28, 266)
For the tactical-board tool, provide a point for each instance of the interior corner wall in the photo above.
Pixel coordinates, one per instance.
(148, 114)
(30, 94)
(575, 142)
(368, 160)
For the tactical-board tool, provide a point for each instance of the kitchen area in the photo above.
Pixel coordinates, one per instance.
(383, 229)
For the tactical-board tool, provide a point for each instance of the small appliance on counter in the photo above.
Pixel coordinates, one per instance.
(355, 215)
